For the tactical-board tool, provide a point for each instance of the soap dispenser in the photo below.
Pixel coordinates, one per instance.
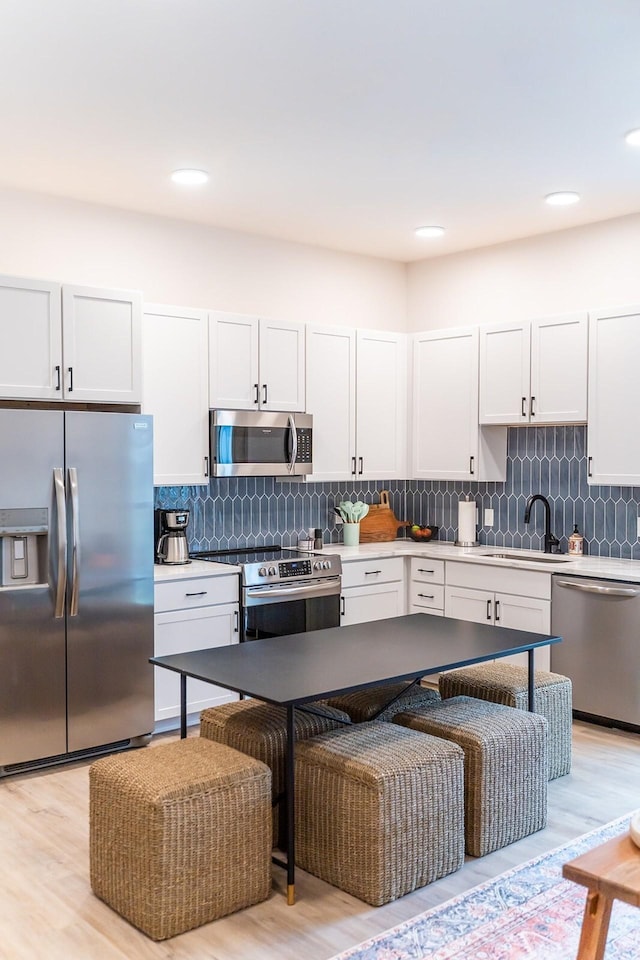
(576, 542)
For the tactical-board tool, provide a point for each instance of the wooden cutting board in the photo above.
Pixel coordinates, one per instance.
(381, 523)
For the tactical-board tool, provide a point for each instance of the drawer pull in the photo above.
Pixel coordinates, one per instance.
(426, 596)
(422, 570)
(202, 593)
(371, 573)
(488, 609)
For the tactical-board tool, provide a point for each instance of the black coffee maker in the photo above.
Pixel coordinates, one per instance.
(171, 536)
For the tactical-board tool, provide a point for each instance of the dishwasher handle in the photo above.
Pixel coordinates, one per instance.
(595, 588)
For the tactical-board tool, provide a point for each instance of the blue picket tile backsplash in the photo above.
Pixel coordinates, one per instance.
(241, 512)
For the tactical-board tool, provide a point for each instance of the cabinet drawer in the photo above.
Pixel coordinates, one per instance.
(427, 570)
(361, 573)
(429, 595)
(199, 592)
(477, 576)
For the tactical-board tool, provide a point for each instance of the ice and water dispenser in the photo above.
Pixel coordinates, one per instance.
(23, 542)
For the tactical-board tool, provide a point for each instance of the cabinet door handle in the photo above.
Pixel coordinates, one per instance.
(371, 573)
(422, 570)
(524, 406)
(58, 384)
(426, 596)
(256, 387)
(361, 470)
(206, 466)
(70, 379)
(264, 387)
(589, 473)
(531, 406)
(472, 465)
(236, 621)
(497, 611)
(201, 593)
(353, 466)
(488, 609)
(342, 610)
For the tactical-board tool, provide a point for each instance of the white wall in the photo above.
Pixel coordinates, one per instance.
(583, 268)
(176, 262)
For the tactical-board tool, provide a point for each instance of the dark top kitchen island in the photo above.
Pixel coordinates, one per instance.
(298, 669)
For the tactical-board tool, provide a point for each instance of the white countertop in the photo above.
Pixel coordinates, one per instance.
(605, 568)
(164, 572)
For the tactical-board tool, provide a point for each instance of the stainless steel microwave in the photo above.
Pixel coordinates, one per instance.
(250, 443)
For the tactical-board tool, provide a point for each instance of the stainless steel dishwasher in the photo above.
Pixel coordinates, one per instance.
(599, 621)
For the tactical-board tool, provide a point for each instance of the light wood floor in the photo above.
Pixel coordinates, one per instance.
(47, 910)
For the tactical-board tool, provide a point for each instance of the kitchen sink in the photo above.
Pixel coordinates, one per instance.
(543, 558)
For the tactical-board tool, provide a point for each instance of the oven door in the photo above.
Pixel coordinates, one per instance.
(280, 610)
(259, 444)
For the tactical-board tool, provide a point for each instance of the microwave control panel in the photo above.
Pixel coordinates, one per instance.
(304, 445)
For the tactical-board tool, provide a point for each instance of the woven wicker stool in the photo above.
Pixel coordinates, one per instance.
(505, 782)
(260, 730)
(180, 834)
(379, 815)
(508, 684)
(363, 705)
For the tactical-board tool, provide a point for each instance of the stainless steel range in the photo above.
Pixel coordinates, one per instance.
(284, 590)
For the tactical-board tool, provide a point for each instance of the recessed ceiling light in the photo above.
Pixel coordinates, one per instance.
(429, 232)
(189, 178)
(563, 198)
(633, 138)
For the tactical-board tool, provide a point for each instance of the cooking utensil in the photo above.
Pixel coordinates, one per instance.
(352, 512)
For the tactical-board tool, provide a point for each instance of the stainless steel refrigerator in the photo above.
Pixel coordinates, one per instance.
(76, 583)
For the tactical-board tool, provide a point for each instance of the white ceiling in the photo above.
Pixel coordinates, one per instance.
(343, 123)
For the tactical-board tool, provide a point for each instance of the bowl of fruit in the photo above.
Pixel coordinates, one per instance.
(421, 533)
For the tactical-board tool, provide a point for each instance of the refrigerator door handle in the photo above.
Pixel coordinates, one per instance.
(61, 513)
(75, 543)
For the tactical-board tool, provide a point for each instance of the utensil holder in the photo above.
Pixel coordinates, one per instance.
(351, 534)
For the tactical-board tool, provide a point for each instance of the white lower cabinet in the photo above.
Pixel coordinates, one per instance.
(511, 598)
(192, 614)
(372, 590)
(426, 586)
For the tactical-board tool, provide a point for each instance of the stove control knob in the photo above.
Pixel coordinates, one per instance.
(273, 571)
(317, 564)
(326, 564)
(263, 572)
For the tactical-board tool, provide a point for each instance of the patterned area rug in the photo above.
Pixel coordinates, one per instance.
(528, 913)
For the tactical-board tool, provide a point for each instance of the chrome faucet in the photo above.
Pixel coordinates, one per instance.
(549, 540)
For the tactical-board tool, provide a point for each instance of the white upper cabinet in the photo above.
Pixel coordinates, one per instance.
(331, 399)
(233, 362)
(102, 344)
(30, 339)
(176, 392)
(90, 350)
(381, 405)
(356, 392)
(255, 364)
(613, 437)
(559, 364)
(447, 443)
(534, 372)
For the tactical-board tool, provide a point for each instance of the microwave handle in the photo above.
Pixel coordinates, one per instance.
(294, 444)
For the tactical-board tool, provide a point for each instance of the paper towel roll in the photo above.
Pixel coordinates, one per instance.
(467, 523)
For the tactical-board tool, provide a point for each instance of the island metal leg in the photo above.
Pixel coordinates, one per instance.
(183, 706)
(290, 795)
(531, 680)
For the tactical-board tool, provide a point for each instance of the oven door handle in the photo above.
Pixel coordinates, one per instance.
(319, 589)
